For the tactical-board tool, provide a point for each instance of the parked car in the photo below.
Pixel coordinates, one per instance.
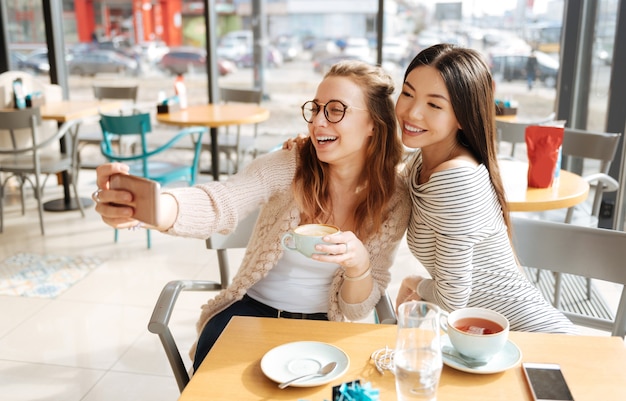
(119, 45)
(358, 47)
(512, 67)
(289, 47)
(322, 65)
(324, 48)
(36, 62)
(151, 51)
(274, 59)
(396, 50)
(183, 60)
(16, 60)
(101, 61)
(232, 49)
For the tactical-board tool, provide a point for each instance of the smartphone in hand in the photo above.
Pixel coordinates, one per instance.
(146, 195)
(546, 382)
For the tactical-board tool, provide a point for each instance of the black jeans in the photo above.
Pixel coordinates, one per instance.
(246, 307)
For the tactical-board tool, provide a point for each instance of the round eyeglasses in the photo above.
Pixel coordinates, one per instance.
(334, 110)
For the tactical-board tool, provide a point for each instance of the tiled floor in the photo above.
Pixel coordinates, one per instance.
(91, 343)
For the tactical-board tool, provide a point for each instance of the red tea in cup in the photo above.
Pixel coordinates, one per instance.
(477, 333)
(475, 325)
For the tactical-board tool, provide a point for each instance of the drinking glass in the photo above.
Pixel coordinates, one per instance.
(417, 357)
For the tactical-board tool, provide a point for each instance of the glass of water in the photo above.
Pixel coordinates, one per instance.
(417, 357)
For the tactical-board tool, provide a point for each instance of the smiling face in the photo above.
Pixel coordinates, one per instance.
(345, 141)
(424, 111)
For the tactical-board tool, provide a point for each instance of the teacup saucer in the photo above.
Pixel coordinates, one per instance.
(509, 357)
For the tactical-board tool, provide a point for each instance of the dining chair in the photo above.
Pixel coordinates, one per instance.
(511, 132)
(91, 135)
(590, 252)
(221, 243)
(235, 145)
(27, 159)
(596, 147)
(588, 147)
(150, 161)
(514, 132)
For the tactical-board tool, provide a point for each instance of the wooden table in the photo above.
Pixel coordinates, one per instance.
(570, 189)
(593, 366)
(62, 112)
(214, 116)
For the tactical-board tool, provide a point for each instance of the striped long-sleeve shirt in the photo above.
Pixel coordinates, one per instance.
(458, 234)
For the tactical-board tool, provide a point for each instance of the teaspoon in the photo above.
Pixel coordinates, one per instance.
(323, 371)
(470, 363)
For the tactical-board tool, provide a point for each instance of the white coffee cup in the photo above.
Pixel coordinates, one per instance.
(304, 238)
(477, 333)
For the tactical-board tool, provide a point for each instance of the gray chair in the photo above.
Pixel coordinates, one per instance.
(586, 146)
(591, 252)
(511, 132)
(28, 159)
(221, 243)
(91, 135)
(234, 145)
(514, 132)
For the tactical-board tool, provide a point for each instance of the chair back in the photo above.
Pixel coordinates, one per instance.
(584, 251)
(12, 120)
(241, 95)
(134, 124)
(512, 132)
(237, 239)
(591, 145)
(586, 145)
(101, 92)
(121, 125)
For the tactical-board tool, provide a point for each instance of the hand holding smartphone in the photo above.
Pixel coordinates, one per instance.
(146, 194)
(546, 382)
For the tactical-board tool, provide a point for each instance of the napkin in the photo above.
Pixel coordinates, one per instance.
(543, 144)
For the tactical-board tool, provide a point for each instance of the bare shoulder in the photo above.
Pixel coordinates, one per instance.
(464, 160)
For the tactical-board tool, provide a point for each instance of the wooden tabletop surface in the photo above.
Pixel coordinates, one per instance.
(67, 110)
(216, 115)
(570, 189)
(592, 366)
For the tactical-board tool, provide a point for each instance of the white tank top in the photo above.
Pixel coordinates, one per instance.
(296, 284)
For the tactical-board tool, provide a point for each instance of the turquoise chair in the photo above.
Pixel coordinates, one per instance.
(150, 161)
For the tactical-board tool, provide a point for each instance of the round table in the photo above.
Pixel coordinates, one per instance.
(569, 190)
(213, 116)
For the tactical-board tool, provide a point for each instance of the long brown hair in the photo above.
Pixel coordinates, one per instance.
(378, 179)
(470, 85)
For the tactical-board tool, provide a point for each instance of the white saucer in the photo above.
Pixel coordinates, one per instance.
(509, 357)
(302, 357)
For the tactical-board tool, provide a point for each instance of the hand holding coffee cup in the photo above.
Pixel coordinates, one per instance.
(477, 333)
(304, 238)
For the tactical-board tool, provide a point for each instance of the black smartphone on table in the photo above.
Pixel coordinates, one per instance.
(146, 194)
(546, 382)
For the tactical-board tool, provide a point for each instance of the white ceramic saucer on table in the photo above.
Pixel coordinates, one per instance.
(509, 357)
(299, 358)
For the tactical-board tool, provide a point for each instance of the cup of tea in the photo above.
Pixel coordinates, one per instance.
(304, 238)
(477, 333)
